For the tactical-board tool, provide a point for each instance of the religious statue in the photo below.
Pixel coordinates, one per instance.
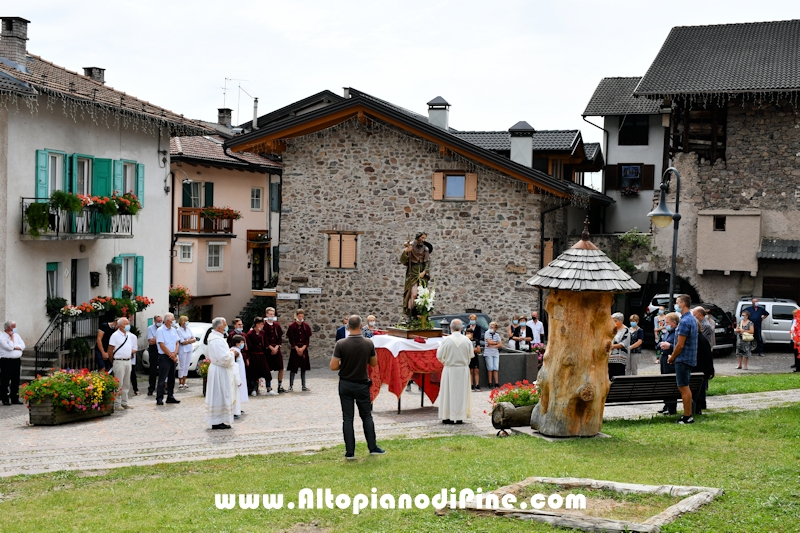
(416, 256)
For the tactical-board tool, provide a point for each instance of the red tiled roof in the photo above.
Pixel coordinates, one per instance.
(104, 104)
(209, 148)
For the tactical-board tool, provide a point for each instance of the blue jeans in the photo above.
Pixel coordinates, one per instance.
(683, 373)
(349, 392)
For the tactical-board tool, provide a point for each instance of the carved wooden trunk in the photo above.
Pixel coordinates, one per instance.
(506, 416)
(44, 414)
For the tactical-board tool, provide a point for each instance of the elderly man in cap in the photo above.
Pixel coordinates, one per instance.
(455, 353)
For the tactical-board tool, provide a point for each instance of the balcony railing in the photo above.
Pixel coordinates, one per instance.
(89, 223)
(193, 220)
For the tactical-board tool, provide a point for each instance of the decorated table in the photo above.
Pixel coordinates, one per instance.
(401, 360)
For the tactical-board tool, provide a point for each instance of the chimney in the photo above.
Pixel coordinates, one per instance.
(13, 35)
(439, 112)
(96, 73)
(255, 114)
(522, 143)
(224, 116)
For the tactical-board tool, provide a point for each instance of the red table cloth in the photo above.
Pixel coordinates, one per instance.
(396, 372)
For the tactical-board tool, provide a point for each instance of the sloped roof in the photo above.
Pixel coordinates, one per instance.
(614, 96)
(592, 150)
(543, 140)
(728, 58)
(294, 109)
(210, 149)
(584, 268)
(72, 88)
(779, 249)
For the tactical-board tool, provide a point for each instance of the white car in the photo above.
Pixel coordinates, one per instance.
(199, 350)
(657, 301)
(774, 328)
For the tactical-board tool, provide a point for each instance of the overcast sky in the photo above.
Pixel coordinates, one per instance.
(495, 62)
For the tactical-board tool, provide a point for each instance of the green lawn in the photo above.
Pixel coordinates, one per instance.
(753, 383)
(753, 455)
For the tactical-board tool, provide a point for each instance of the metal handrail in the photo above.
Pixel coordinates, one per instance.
(89, 221)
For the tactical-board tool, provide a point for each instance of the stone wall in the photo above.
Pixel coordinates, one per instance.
(761, 172)
(377, 180)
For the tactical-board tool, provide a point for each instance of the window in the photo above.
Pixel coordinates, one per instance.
(256, 194)
(719, 223)
(83, 179)
(558, 169)
(184, 252)
(630, 177)
(455, 185)
(52, 280)
(55, 173)
(342, 250)
(129, 271)
(128, 178)
(275, 197)
(215, 256)
(782, 312)
(195, 191)
(634, 130)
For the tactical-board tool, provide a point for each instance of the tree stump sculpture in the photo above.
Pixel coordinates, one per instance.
(573, 381)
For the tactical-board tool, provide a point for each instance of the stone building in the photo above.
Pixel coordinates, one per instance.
(734, 136)
(361, 176)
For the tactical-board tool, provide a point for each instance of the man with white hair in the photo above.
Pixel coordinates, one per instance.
(121, 347)
(11, 347)
(455, 353)
(168, 341)
(220, 396)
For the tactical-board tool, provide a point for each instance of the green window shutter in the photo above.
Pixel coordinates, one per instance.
(140, 182)
(187, 195)
(52, 267)
(275, 197)
(117, 291)
(209, 187)
(73, 174)
(65, 174)
(42, 158)
(118, 170)
(139, 275)
(102, 171)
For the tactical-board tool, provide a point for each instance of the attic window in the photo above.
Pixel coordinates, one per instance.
(719, 223)
(633, 130)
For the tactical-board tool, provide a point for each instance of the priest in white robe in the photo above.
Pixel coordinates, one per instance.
(455, 353)
(220, 393)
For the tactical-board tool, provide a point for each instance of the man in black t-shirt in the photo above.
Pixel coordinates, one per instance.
(351, 357)
(104, 332)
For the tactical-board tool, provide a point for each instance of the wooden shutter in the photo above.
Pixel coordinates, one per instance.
(471, 187)
(648, 177)
(349, 251)
(611, 178)
(334, 248)
(42, 159)
(275, 197)
(119, 169)
(548, 252)
(209, 194)
(187, 195)
(438, 185)
(139, 276)
(140, 183)
(102, 171)
(117, 292)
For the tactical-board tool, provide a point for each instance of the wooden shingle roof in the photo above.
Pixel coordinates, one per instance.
(584, 267)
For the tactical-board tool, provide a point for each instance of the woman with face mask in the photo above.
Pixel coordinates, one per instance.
(237, 348)
(667, 345)
(744, 347)
(510, 330)
(492, 355)
(637, 339)
(659, 329)
(187, 339)
(369, 329)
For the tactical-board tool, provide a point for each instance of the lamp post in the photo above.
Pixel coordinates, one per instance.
(661, 216)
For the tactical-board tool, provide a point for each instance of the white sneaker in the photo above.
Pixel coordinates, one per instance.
(253, 393)
(273, 393)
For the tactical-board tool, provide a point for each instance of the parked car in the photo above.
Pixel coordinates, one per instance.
(199, 350)
(657, 301)
(775, 328)
(723, 332)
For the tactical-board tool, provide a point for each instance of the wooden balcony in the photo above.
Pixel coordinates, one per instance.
(192, 220)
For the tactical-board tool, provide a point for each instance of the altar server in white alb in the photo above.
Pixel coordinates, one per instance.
(240, 392)
(455, 352)
(220, 393)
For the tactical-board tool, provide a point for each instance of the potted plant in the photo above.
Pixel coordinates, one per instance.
(54, 305)
(538, 350)
(630, 191)
(127, 291)
(512, 405)
(202, 371)
(179, 296)
(37, 215)
(426, 297)
(69, 395)
(70, 313)
(221, 213)
(66, 201)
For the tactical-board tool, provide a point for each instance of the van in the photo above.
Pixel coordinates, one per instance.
(775, 327)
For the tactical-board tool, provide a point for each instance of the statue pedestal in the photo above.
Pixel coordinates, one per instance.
(411, 333)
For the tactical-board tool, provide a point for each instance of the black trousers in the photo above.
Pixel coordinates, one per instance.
(152, 352)
(358, 393)
(759, 340)
(615, 369)
(666, 368)
(166, 373)
(9, 379)
(134, 384)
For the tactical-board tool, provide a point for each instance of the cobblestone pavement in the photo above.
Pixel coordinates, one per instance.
(296, 421)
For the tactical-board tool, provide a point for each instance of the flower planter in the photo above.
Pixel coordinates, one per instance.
(506, 415)
(44, 414)
(67, 318)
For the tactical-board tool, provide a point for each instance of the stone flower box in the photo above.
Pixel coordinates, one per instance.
(44, 414)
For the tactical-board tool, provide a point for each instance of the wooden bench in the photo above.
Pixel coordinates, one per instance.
(650, 389)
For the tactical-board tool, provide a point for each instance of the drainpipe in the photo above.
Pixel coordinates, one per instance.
(541, 245)
(605, 131)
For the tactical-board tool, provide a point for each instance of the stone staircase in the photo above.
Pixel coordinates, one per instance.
(28, 366)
